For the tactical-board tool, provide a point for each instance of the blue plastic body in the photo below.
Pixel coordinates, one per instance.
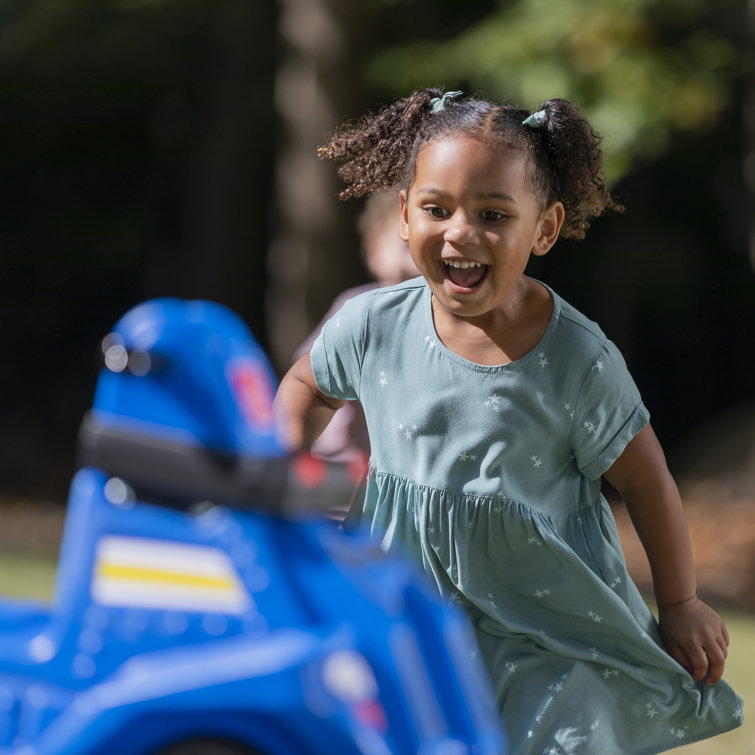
(209, 383)
(275, 633)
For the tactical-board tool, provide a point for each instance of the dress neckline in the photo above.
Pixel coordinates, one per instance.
(536, 353)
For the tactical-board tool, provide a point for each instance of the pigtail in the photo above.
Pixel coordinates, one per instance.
(576, 164)
(375, 150)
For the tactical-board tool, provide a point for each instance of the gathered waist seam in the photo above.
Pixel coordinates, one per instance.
(476, 498)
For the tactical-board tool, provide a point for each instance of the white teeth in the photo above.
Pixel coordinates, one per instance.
(462, 265)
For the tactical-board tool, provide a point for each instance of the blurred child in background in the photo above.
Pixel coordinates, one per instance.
(344, 446)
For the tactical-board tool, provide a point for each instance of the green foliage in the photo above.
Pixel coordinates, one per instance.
(641, 70)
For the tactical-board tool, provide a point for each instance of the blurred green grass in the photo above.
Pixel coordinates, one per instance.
(32, 575)
(27, 574)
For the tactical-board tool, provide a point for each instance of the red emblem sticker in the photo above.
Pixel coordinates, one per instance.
(253, 390)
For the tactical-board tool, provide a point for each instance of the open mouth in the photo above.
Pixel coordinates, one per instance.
(467, 275)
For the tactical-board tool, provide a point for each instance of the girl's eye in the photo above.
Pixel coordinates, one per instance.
(438, 213)
(492, 216)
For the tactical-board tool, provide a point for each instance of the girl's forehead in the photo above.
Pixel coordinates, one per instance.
(479, 158)
(464, 145)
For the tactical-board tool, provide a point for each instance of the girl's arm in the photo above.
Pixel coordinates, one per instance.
(301, 410)
(694, 634)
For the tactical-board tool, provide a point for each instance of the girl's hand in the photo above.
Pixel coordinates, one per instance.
(695, 636)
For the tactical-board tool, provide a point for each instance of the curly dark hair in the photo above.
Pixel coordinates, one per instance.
(381, 149)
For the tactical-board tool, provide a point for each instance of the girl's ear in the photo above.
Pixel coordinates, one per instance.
(550, 226)
(403, 230)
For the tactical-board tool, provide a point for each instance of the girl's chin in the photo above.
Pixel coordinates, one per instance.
(460, 305)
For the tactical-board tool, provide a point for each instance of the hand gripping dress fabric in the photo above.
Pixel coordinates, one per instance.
(490, 477)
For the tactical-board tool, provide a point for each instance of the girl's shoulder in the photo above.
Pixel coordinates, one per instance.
(381, 300)
(371, 293)
(409, 290)
(579, 323)
(573, 331)
(584, 346)
(380, 311)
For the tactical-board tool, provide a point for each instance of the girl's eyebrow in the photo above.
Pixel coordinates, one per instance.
(496, 195)
(437, 192)
(431, 191)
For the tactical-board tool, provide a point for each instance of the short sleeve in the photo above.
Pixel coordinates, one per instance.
(608, 413)
(337, 353)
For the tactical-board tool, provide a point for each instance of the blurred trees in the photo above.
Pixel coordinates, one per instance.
(166, 147)
(314, 248)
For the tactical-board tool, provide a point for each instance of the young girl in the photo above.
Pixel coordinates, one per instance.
(494, 408)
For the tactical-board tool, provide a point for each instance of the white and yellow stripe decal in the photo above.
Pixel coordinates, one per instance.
(149, 573)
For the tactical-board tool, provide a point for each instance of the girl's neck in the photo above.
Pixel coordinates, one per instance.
(503, 335)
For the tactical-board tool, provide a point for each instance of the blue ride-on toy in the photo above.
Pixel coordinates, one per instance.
(200, 608)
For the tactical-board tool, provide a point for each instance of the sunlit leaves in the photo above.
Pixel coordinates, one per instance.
(641, 70)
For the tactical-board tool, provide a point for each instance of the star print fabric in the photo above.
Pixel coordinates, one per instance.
(490, 477)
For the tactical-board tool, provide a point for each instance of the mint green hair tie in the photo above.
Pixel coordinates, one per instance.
(535, 120)
(441, 103)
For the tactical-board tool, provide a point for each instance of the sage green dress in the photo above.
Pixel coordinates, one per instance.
(490, 478)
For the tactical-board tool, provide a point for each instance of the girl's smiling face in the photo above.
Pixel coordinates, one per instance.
(472, 220)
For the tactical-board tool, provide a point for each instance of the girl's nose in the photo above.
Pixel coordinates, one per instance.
(460, 230)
